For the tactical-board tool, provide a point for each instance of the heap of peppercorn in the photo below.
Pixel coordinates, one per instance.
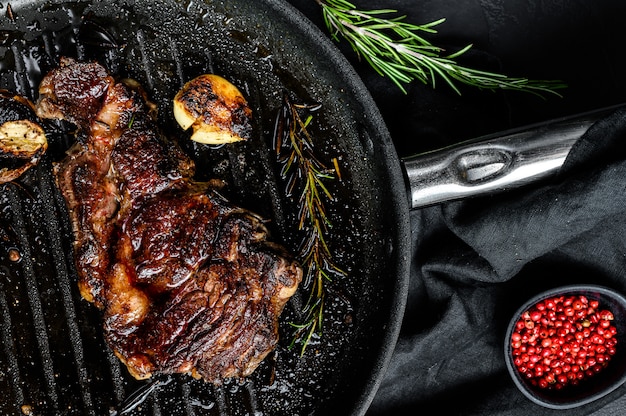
(563, 340)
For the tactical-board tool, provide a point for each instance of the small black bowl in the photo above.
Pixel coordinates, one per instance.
(593, 388)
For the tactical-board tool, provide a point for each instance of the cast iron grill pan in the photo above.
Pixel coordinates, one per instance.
(53, 359)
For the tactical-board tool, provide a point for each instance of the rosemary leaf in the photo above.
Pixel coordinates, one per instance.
(395, 49)
(306, 175)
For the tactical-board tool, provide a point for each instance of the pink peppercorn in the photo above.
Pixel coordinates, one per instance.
(563, 340)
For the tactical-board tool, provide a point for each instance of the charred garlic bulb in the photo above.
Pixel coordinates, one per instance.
(22, 140)
(215, 109)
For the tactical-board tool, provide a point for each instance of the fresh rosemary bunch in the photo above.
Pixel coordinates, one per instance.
(305, 177)
(396, 49)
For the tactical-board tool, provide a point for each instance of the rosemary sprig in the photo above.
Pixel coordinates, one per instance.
(396, 49)
(305, 176)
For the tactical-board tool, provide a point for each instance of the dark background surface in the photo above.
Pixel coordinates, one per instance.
(475, 262)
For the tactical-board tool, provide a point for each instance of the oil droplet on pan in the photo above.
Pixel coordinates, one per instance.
(27, 409)
(14, 255)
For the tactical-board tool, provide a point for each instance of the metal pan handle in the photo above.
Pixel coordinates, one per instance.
(496, 162)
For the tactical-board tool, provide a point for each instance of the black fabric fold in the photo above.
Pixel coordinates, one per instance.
(476, 261)
(510, 231)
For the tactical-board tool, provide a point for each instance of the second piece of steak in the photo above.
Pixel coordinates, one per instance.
(187, 281)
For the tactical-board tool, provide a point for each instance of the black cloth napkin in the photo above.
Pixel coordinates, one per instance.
(476, 261)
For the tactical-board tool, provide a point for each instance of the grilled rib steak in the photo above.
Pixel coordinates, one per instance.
(187, 281)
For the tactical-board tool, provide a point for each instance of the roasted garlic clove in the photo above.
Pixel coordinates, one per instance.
(22, 140)
(215, 109)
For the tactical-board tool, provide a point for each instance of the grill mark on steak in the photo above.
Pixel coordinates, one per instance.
(187, 281)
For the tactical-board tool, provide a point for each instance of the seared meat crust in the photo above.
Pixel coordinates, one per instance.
(187, 281)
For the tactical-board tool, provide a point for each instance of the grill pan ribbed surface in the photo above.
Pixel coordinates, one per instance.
(53, 359)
